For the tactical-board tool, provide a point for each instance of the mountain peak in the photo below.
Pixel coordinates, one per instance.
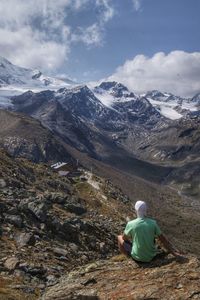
(4, 61)
(11, 74)
(196, 98)
(155, 94)
(107, 85)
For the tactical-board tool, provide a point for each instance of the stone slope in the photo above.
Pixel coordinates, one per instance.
(23, 136)
(166, 204)
(50, 224)
(163, 279)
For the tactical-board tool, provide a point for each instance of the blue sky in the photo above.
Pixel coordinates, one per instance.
(146, 44)
(158, 25)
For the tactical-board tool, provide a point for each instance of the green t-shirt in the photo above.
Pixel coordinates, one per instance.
(143, 231)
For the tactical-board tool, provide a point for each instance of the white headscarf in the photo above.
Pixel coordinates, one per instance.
(141, 209)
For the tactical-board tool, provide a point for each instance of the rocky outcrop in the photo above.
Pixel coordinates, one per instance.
(49, 225)
(22, 136)
(163, 279)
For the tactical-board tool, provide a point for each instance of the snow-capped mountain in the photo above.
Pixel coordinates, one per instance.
(168, 105)
(131, 129)
(108, 122)
(11, 74)
(83, 121)
(15, 80)
(163, 97)
(171, 106)
(132, 107)
(196, 99)
(111, 92)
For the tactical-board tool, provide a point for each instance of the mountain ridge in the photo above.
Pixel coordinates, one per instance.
(51, 224)
(23, 136)
(11, 74)
(167, 104)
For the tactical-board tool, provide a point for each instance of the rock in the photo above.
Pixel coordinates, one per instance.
(122, 278)
(39, 210)
(24, 239)
(51, 280)
(11, 263)
(2, 207)
(73, 247)
(102, 247)
(84, 259)
(42, 226)
(14, 220)
(59, 251)
(38, 271)
(2, 183)
(70, 231)
(13, 211)
(53, 224)
(56, 198)
(76, 209)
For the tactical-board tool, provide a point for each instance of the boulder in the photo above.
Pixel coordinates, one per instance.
(25, 238)
(11, 263)
(14, 220)
(35, 271)
(2, 183)
(76, 209)
(59, 251)
(39, 210)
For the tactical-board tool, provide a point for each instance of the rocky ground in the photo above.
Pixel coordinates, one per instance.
(51, 224)
(121, 278)
(22, 136)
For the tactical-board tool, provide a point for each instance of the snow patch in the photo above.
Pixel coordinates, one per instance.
(169, 113)
(108, 99)
(167, 109)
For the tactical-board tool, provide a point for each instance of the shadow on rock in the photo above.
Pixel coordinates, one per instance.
(162, 259)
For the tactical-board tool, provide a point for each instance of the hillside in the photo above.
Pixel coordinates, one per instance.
(172, 209)
(23, 136)
(121, 278)
(51, 225)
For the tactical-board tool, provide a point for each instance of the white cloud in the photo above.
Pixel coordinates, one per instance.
(27, 48)
(107, 10)
(92, 35)
(36, 33)
(177, 72)
(137, 4)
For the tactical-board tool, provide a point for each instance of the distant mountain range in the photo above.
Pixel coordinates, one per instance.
(155, 135)
(126, 147)
(14, 75)
(15, 80)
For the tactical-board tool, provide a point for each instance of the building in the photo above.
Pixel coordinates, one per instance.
(64, 168)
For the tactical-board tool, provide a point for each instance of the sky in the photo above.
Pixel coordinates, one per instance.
(145, 44)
